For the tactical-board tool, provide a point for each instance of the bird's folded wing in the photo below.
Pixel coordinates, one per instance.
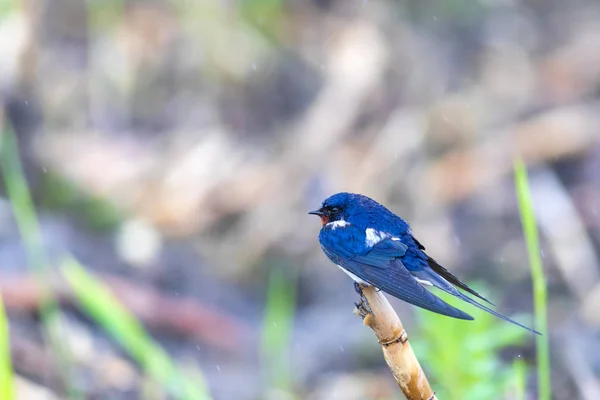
(381, 268)
(382, 253)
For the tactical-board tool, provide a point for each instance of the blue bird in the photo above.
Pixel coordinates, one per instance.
(376, 248)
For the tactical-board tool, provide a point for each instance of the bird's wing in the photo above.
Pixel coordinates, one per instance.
(440, 270)
(396, 280)
(381, 253)
(380, 266)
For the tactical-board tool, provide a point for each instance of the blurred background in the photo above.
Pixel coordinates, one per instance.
(173, 148)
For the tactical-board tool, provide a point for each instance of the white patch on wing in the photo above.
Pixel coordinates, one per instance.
(424, 282)
(373, 236)
(337, 224)
(354, 277)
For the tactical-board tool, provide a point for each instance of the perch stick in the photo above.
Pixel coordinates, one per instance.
(379, 315)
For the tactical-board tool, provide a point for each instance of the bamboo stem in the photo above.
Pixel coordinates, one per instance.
(378, 314)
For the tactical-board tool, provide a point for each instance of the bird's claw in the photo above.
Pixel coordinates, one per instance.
(362, 306)
(358, 288)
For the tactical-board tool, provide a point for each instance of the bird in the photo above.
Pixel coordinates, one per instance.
(375, 247)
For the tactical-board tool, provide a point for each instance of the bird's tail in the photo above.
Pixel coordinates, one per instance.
(439, 282)
(495, 313)
(447, 275)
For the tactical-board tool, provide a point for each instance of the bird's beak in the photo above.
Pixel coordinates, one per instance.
(317, 212)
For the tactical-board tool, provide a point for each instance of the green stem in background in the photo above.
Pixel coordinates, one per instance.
(24, 211)
(7, 389)
(20, 200)
(277, 329)
(98, 302)
(539, 282)
(520, 376)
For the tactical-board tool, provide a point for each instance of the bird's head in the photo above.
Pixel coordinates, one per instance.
(341, 207)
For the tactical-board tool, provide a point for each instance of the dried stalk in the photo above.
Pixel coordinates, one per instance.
(378, 314)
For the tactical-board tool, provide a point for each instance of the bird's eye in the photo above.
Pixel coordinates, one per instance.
(334, 209)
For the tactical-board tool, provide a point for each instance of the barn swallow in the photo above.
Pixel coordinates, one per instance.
(376, 248)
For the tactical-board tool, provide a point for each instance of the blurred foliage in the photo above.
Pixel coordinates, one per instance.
(96, 212)
(7, 390)
(277, 330)
(540, 295)
(95, 299)
(520, 378)
(462, 358)
(21, 201)
(105, 13)
(7, 6)
(100, 304)
(265, 15)
(24, 211)
(462, 12)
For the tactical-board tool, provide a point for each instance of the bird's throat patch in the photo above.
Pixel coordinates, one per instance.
(324, 219)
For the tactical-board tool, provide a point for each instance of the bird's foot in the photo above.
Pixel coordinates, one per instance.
(362, 306)
(358, 288)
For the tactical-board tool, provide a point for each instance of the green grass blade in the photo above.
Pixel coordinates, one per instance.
(520, 378)
(21, 202)
(26, 218)
(7, 388)
(539, 282)
(277, 329)
(100, 304)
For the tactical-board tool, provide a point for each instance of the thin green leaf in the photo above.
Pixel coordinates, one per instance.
(539, 281)
(26, 218)
(7, 388)
(520, 377)
(277, 328)
(100, 304)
